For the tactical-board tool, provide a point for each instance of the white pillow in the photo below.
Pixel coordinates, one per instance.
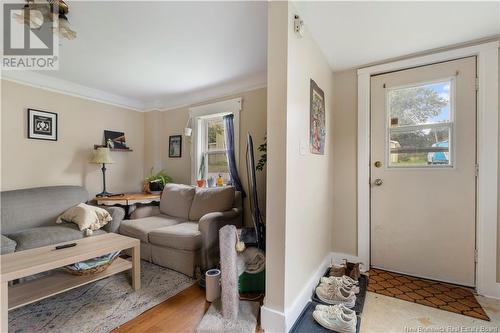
(86, 217)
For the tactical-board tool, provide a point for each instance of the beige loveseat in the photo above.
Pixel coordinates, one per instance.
(183, 232)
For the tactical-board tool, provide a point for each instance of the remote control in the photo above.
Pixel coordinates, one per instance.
(64, 246)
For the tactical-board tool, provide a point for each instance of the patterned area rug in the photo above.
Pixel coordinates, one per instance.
(426, 292)
(100, 306)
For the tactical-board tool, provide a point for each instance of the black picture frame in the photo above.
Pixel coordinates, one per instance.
(42, 125)
(175, 146)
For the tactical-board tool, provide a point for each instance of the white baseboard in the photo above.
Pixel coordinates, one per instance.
(278, 322)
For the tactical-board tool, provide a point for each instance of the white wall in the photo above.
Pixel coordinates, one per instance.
(305, 217)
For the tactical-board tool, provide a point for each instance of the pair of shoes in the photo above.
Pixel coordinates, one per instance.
(337, 271)
(337, 318)
(350, 269)
(344, 281)
(336, 294)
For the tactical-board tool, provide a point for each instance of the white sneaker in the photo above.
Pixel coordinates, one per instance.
(350, 280)
(340, 281)
(336, 321)
(331, 294)
(336, 308)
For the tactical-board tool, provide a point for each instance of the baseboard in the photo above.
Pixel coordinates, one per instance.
(279, 322)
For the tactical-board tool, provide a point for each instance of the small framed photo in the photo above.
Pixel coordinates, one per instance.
(175, 146)
(42, 125)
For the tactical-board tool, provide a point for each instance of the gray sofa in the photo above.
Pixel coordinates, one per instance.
(28, 217)
(183, 232)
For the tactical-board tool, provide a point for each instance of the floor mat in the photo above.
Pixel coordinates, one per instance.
(435, 294)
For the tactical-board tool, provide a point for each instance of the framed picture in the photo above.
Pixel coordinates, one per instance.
(42, 125)
(175, 146)
(317, 130)
(114, 140)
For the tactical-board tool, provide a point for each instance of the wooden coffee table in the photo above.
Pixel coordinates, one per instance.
(29, 262)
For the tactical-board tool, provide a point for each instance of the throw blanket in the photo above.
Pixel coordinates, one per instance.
(87, 217)
(252, 261)
(92, 263)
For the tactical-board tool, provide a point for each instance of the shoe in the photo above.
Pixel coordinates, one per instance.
(350, 280)
(336, 321)
(337, 271)
(352, 270)
(342, 282)
(336, 308)
(331, 294)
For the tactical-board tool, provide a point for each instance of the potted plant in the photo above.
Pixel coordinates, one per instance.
(154, 183)
(202, 172)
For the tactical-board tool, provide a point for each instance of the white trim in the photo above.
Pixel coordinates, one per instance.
(487, 97)
(277, 321)
(50, 83)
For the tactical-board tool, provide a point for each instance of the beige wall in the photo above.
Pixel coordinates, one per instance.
(158, 126)
(31, 163)
(345, 153)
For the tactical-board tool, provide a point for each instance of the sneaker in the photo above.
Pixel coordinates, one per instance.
(340, 281)
(337, 271)
(336, 308)
(331, 294)
(350, 280)
(336, 321)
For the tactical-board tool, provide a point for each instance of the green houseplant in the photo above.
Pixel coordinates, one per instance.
(154, 183)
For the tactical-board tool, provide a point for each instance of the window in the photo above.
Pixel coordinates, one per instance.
(208, 140)
(420, 125)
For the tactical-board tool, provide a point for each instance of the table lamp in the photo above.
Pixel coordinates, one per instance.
(101, 156)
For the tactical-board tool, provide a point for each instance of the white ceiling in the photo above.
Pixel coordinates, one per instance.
(164, 54)
(352, 34)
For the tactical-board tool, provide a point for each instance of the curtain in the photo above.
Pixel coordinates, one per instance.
(231, 159)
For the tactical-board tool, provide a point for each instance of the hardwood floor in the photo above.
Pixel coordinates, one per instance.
(181, 313)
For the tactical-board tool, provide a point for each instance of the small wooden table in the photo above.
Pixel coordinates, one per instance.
(129, 200)
(29, 262)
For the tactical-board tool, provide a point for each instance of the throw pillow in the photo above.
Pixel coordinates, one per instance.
(86, 217)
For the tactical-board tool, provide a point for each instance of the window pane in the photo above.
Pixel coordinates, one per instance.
(424, 104)
(215, 132)
(427, 146)
(217, 164)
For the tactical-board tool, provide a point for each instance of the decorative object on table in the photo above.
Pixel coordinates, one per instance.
(202, 171)
(317, 131)
(210, 181)
(102, 156)
(230, 153)
(175, 146)
(257, 219)
(212, 285)
(220, 181)
(92, 266)
(42, 125)
(263, 158)
(154, 183)
(116, 139)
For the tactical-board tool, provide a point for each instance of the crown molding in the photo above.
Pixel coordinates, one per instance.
(37, 80)
(46, 82)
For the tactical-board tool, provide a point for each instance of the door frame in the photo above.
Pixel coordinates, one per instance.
(487, 155)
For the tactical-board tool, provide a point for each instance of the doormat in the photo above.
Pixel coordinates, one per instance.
(435, 294)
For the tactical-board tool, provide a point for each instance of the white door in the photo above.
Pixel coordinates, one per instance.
(423, 171)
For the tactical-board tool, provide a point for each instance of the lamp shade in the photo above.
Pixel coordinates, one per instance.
(101, 156)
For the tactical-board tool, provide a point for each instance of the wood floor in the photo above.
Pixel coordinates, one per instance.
(181, 313)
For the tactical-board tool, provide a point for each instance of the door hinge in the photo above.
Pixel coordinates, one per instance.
(476, 170)
(475, 255)
(477, 83)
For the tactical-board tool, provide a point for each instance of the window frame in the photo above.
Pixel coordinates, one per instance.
(450, 124)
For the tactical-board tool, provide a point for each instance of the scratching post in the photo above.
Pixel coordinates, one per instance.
(229, 278)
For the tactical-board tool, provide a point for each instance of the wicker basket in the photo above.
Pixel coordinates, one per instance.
(90, 271)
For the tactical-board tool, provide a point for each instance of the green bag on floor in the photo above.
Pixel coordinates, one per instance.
(252, 283)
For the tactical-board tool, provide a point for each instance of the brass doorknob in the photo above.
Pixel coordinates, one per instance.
(378, 182)
(378, 164)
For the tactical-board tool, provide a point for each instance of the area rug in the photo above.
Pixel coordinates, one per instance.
(100, 306)
(213, 322)
(438, 295)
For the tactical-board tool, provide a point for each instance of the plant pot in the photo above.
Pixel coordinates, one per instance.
(155, 187)
(200, 182)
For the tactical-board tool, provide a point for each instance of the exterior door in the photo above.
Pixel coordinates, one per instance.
(423, 171)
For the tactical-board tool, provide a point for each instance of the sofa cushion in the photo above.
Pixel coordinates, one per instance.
(176, 200)
(209, 200)
(140, 228)
(183, 236)
(43, 236)
(8, 245)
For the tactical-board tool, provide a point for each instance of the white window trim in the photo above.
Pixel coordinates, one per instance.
(487, 143)
(206, 111)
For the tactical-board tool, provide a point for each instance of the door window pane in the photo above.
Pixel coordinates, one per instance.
(420, 125)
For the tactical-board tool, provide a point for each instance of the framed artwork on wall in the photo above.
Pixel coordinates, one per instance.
(42, 125)
(175, 146)
(317, 130)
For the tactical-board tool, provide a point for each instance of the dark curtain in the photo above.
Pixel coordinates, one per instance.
(231, 159)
